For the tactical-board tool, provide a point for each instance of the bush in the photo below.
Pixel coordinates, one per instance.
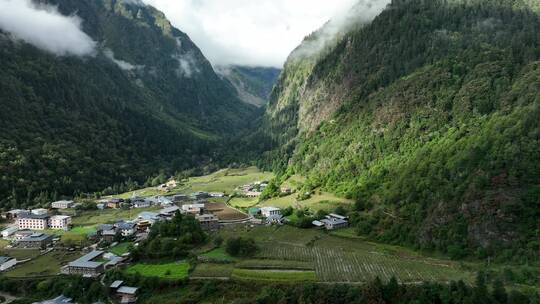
(241, 247)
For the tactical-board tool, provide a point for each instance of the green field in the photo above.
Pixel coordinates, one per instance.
(339, 258)
(44, 265)
(274, 275)
(243, 202)
(121, 248)
(173, 271)
(20, 254)
(217, 255)
(318, 201)
(275, 264)
(225, 180)
(209, 270)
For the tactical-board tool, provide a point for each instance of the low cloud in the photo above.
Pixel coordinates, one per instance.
(247, 32)
(44, 27)
(187, 63)
(363, 12)
(124, 65)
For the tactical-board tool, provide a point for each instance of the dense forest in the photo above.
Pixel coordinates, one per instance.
(427, 117)
(80, 124)
(376, 292)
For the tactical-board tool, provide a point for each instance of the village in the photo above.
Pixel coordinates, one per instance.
(46, 229)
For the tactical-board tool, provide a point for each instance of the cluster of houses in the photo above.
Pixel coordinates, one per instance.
(254, 189)
(272, 215)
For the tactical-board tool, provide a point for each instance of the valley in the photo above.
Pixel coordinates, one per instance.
(392, 157)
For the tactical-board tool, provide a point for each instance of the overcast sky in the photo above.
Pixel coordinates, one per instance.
(249, 32)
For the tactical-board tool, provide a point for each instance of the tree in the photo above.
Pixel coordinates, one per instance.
(241, 247)
(499, 292)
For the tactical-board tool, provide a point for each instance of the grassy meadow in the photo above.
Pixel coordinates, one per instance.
(43, 265)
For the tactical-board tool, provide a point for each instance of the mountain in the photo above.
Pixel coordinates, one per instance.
(148, 99)
(427, 116)
(253, 84)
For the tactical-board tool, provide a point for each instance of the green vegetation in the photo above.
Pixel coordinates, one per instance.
(340, 259)
(275, 264)
(225, 180)
(170, 239)
(121, 248)
(172, 271)
(20, 254)
(243, 202)
(217, 255)
(433, 136)
(43, 265)
(86, 119)
(208, 270)
(274, 275)
(241, 247)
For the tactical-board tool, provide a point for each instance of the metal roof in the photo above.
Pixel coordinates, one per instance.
(57, 300)
(86, 260)
(317, 223)
(37, 237)
(117, 284)
(4, 259)
(34, 216)
(334, 221)
(127, 290)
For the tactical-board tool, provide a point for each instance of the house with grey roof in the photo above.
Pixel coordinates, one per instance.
(57, 300)
(89, 265)
(335, 221)
(169, 211)
(126, 228)
(35, 240)
(124, 294)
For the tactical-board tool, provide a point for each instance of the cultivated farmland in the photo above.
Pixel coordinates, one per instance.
(173, 271)
(274, 275)
(337, 265)
(341, 259)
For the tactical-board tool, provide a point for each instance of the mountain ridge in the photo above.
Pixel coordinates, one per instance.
(148, 99)
(401, 115)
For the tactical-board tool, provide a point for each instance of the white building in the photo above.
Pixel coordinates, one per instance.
(6, 263)
(9, 231)
(33, 222)
(60, 222)
(193, 208)
(62, 204)
(144, 203)
(126, 228)
(216, 194)
(270, 211)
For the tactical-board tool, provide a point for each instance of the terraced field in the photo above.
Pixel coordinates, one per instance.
(338, 265)
(340, 258)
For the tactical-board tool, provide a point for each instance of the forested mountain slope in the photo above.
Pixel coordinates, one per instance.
(147, 99)
(428, 117)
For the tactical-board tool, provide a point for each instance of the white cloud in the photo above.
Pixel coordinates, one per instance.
(250, 32)
(44, 27)
(124, 65)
